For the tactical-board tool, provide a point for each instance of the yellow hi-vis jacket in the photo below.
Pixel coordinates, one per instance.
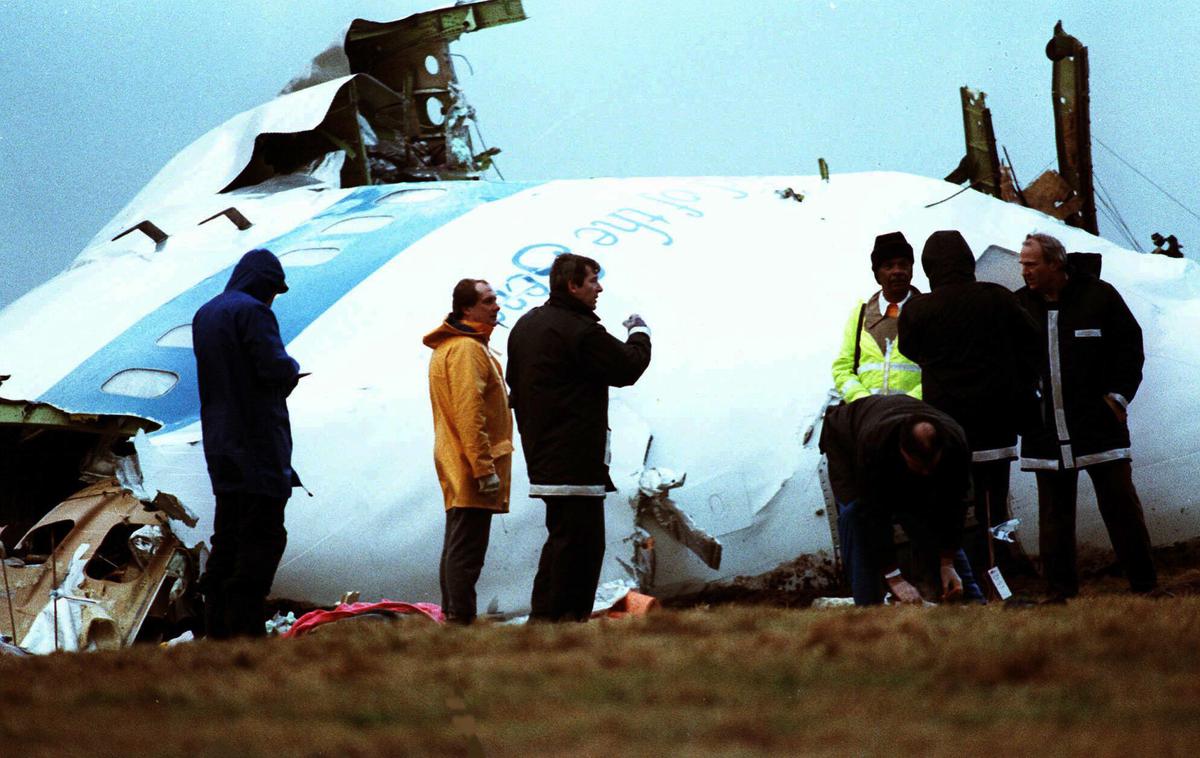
(879, 372)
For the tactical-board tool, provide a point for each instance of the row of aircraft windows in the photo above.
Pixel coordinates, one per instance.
(147, 383)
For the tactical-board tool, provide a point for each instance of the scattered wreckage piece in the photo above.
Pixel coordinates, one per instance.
(981, 164)
(99, 571)
(653, 506)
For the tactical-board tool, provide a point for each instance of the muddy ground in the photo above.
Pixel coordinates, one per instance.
(1107, 674)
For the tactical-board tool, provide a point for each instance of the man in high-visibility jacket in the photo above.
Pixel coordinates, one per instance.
(870, 362)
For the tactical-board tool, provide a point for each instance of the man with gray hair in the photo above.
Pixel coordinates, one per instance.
(1090, 370)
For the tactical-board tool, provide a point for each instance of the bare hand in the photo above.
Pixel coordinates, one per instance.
(489, 485)
(1117, 410)
(952, 586)
(904, 592)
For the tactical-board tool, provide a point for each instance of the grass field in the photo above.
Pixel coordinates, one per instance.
(1108, 674)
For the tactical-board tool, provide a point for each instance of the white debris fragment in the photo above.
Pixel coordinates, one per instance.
(145, 542)
(181, 639)
(609, 593)
(41, 637)
(825, 603)
(656, 480)
(1004, 532)
(280, 624)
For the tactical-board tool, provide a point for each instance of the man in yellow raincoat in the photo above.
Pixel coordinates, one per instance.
(473, 446)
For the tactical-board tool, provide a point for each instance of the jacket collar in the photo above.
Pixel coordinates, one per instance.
(572, 304)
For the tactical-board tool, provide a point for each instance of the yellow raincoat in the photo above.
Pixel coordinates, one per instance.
(472, 424)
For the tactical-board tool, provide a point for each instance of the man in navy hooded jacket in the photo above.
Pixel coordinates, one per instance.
(245, 375)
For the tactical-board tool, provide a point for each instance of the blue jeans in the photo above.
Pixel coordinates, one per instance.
(861, 531)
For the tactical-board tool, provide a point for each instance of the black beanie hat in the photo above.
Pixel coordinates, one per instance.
(888, 246)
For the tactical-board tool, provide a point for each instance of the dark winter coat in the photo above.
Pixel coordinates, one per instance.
(977, 348)
(1095, 342)
(245, 376)
(862, 441)
(561, 362)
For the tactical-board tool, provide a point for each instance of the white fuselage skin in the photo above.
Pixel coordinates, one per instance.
(739, 376)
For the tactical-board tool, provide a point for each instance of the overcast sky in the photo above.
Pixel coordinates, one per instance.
(98, 95)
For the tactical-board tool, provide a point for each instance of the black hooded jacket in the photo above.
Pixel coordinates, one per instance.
(245, 376)
(977, 348)
(561, 362)
(1096, 344)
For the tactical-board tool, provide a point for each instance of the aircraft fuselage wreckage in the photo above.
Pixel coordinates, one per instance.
(363, 178)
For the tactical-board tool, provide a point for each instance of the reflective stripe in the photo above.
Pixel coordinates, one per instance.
(895, 367)
(566, 490)
(1067, 459)
(1120, 453)
(1087, 332)
(1038, 464)
(995, 454)
(1060, 415)
(640, 330)
(846, 385)
(888, 347)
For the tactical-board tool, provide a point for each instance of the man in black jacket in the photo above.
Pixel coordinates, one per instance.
(895, 458)
(561, 363)
(1091, 368)
(245, 376)
(978, 352)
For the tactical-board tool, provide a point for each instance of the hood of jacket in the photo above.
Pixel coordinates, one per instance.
(451, 328)
(947, 259)
(259, 274)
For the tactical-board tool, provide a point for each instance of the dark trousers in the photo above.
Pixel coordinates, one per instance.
(990, 485)
(247, 542)
(569, 570)
(1122, 514)
(463, 550)
(862, 533)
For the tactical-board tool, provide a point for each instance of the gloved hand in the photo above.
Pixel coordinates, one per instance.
(904, 592)
(632, 321)
(488, 485)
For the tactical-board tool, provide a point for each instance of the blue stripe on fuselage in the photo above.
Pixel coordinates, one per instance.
(312, 290)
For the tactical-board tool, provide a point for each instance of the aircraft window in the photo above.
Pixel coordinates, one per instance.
(180, 336)
(432, 65)
(412, 196)
(140, 382)
(359, 225)
(113, 560)
(434, 111)
(308, 256)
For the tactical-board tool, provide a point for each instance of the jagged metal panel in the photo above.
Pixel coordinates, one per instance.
(1072, 122)
(982, 160)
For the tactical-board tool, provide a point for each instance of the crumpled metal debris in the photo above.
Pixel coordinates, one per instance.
(1004, 532)
(657, 480)
(824, 603)
(654, 505)
(280, 624)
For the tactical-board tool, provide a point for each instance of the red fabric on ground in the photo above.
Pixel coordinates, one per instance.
(313, 619)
